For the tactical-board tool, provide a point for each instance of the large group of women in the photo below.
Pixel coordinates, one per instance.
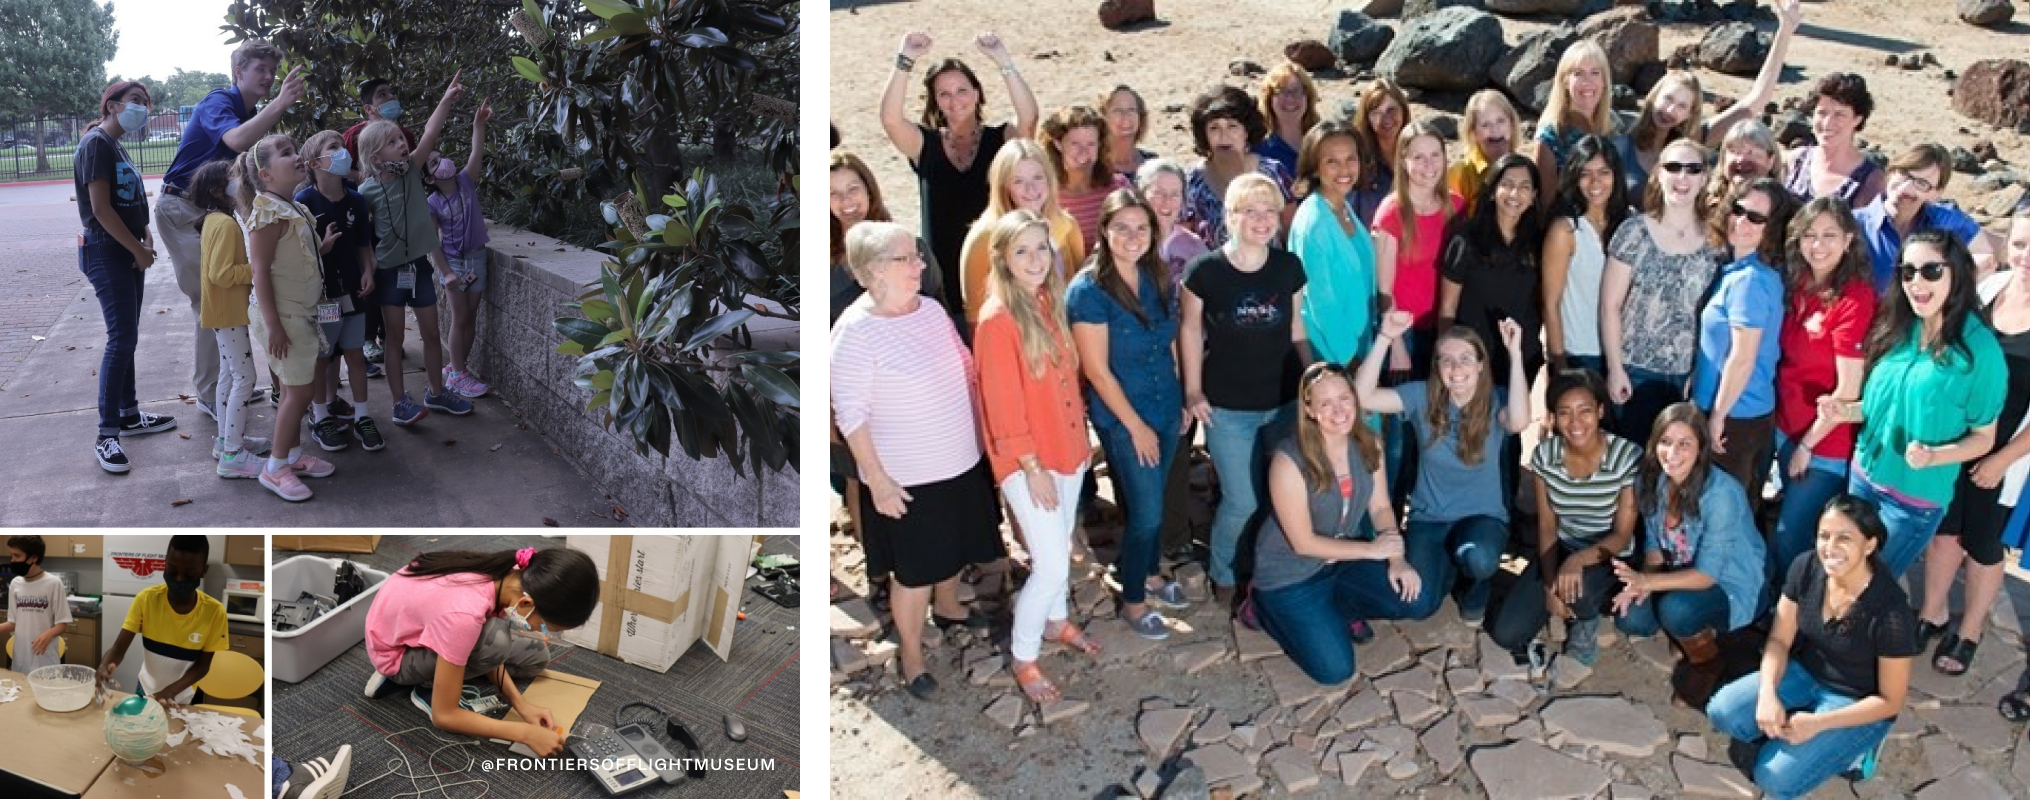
(1773, 379)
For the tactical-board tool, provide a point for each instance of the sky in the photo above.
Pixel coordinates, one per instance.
(158, 36)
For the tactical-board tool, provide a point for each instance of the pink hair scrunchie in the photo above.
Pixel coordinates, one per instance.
(522, 557)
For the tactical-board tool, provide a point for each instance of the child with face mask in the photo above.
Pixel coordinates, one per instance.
(451, 615)
(349, 266)
(38, 608)
(405, 239)
(454, 204)
(222, 308)
(182, 626)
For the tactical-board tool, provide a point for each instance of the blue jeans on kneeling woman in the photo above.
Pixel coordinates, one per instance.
(1783, 769)
(1309, 618)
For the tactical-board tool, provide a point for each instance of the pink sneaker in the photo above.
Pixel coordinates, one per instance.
(310, 466)
(285, 485)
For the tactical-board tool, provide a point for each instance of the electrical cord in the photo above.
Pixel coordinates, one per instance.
(676, 730)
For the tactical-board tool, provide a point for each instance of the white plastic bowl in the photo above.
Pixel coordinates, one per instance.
(62, 687)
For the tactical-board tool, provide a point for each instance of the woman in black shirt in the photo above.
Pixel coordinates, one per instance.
(1489, 267)
(1848, 629)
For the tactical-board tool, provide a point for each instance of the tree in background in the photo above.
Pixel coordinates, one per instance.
(53, 56)
(186, 87)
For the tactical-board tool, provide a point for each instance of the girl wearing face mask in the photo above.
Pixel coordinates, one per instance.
(1734, 371)
(115, 251)
(1936, 385)
(1074, 138)
(1019, 179)
(451, 616)
(348, 276)
(1835, 166)
(1490, 127)
(228, 281)
(454, 204)
(1658, 266)
(1591, 204)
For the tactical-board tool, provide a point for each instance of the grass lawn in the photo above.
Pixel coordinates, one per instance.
(19, 164)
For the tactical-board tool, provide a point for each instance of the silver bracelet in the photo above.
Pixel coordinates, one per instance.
(904, 63)
(1009, 70)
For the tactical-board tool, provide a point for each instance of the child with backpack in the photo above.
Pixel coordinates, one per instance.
(348, 278)
(454, 204)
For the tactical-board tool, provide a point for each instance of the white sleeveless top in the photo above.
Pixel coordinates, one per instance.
(1579, 306)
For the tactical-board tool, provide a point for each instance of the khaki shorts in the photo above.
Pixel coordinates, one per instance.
(306, 340)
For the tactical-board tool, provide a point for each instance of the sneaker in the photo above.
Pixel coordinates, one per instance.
(421, 700)
(341, 409)
(1582, 640)
(1169, 595)
(408, 411)
(258, 394)
(112, 458)
(463, 383)
(1149, 626)
(243, 464)
(449, 402)
(373, 352)
(310, 466)
(251, 444)
(328, 435)
(1538, 658)
(1359, 631)
(147, 423)
(1473, 617)
(379, 686)
(369, 434)
(375, 370)
(321, 778)
(285, 485)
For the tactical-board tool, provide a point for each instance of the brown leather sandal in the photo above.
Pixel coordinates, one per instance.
(1070, 635)
(1039, 689)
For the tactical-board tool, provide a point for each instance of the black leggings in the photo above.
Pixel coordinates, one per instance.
(1523, 613)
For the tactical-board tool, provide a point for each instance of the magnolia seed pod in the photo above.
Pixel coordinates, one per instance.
(631, 215)
(531, 30)
(764, 106)
(570, 173)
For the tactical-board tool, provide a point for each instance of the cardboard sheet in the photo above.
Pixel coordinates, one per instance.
(350, 543)
(566, 696)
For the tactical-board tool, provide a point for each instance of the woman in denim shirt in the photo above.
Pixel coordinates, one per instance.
(1123, 309)
(1704, 568)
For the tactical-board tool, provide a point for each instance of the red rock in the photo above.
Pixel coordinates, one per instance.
(1118, 14)
(1310, 54)
(1995, 91)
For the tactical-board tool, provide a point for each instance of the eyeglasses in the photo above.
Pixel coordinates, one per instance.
(1932, 272)
(1921, 184)
(1753, 216)
(1467, 362)
(1683, 167)
(1291, 90)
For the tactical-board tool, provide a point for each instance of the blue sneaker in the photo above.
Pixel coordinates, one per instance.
(1169, 595)
(1149, 626)
(407, 411)
(450, 402)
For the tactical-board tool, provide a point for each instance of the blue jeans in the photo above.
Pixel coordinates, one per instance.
(1681, 613)
(1783, 769)
(1804, 499)
(1239, 443)
(1650, 392)
(1910, 527)
(1141, 489)
(111, 270)
(1443, 552)
(1309, 619)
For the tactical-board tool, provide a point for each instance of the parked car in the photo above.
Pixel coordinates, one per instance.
(163, 136)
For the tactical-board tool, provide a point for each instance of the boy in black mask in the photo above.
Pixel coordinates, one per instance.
(180, 626)
(38, 608)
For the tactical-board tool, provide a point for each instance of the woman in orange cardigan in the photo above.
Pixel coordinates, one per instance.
(1034, 421)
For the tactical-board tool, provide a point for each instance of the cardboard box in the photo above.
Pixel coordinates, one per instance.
(249, 551)
(566, 696)
(660, 594)
(328, 544)
(82, 546)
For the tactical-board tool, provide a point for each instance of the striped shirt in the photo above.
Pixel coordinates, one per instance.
(1585, 507)
(910, 379)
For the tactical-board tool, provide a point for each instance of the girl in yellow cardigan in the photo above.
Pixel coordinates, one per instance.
(223, 309)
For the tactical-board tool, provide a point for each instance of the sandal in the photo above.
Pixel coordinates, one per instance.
(1039, 689)
(921, 687)
(974, 620)
(1072, 636)
(1928, 630)
(1959, 651)
(2015, 706)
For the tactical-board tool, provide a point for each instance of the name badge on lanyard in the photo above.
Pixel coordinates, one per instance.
(327, 313)
(405, 279)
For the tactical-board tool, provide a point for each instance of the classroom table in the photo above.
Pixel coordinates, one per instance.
(185, 771)
(65, 752)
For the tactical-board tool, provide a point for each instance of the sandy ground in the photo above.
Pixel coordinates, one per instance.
(886, 744)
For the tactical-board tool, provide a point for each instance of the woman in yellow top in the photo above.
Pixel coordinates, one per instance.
(1490, 130)
(288, 299)
(1019, 178)
(222, 307)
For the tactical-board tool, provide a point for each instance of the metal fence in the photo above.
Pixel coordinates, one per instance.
(42, 149)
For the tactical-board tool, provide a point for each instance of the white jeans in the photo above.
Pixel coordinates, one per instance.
(1048, 534)
(236, 383)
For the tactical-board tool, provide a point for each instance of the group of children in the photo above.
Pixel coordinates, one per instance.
(299, 249)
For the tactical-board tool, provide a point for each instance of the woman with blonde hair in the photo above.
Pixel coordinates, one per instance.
(1380, 116)
(1658, 266)
(1408, 228)
(1074, 137)
(1032, 420)
(1289, 104)
(1490, 128)
(1127, 122)
(1749, 151)
(1019, 178)
(1581, 102)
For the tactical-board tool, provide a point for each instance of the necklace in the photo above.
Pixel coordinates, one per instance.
(962, 148)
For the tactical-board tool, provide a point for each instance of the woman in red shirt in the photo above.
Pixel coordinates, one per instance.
(1034, 422)
(1831, 303)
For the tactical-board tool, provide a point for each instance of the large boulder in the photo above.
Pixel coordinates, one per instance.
(1118, 14)
(1734, 48)
(1532, 7)
(1995, 91)
(1380, 9)
(1413, 9)
(1525, 71)
(1986, 12)
(1310, 54)
(1449, 50)
(1357, 39)
(1629, 37)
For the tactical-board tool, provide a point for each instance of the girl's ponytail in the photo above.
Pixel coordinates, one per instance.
(564, 583)
(246, 180)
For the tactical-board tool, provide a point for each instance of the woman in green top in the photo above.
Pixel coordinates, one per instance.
(1936, 382)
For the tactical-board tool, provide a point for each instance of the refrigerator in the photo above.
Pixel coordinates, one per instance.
(134, 563)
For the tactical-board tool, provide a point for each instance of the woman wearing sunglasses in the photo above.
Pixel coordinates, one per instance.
(1658, 265)
(1936, 382)
(1734, 374)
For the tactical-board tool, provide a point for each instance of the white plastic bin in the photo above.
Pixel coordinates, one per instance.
(293, 655)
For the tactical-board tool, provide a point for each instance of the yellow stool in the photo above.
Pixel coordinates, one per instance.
(232, 676)
(62, 645)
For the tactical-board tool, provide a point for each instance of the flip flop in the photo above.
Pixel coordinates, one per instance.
(1029, 678)
(1070, 635)
(1958, 650)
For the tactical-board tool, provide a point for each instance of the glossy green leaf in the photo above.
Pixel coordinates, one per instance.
(717, 327)
(676, 233)
(771, 383)
(583, 331)
(702, 37)
(528, 69)
(600, 35)
(608, 9)
(629, 24)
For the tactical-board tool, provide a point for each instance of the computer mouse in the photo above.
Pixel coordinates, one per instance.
(735, 729)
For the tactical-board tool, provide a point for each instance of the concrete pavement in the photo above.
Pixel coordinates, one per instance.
(483, 469)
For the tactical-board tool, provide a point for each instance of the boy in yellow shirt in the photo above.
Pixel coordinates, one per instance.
(180, 626)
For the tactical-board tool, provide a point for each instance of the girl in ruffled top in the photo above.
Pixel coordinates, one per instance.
(288, 298)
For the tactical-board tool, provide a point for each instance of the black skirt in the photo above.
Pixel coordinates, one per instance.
(947, 525)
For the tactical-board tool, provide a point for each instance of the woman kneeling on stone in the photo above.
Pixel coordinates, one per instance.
(1850, 630)
(1315, 578)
